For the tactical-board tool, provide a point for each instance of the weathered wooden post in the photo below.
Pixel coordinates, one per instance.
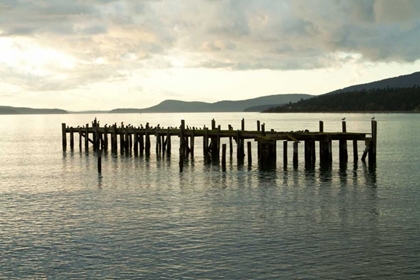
(243, 124)
(230, 143)
(136, 141)
(181, 145)
(147, 139)
(192, 142)
(224, 157)
(71, 139)
(157, 137)
(96, 137)
(258, 143)
(80, 138)
(126, 140)
(87, 138)
(321, 142)
(99, 161)
(218, 143)
(64, 136)
(168, 144)
(372, 148)
(355, 152)
(106, 138)
(285, 154)
(249, 153)
(295, 154)
(343, 154)
(114, 139)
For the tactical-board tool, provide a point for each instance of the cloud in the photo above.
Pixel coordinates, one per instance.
(105, 40)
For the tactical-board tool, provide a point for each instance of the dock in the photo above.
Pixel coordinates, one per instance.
(128, 139)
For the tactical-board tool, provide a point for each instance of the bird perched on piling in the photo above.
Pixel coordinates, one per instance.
(373, 118)
(343, 119)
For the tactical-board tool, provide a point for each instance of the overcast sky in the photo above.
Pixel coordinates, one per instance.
(105, 54)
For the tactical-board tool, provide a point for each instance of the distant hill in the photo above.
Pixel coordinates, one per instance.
(8, 110)
(404, 81)
(373, 100)
(220, 106)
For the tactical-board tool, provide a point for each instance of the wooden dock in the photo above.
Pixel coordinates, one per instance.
(137, 139)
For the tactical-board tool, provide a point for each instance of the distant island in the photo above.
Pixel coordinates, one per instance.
(248, 105)
(400, 94)
(9, 110)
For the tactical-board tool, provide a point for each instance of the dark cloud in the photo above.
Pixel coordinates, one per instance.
(234, 34)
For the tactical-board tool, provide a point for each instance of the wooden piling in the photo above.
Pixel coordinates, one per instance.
(181, 146)
(71, 139)
(99, 161)
(87, 138)
(249, 153)
(105, 145)
(343, 154)
(355, 152)
(224, 157)
(295, 154)
(80, 138)
(147, 140)
(372, 148)
(64, 136)
(136, 142)
(243, 124)
(285, 154)
(192, 143)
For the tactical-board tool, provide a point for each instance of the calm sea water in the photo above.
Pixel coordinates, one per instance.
(142, 219)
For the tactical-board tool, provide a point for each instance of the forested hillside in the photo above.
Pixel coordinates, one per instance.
(389, 99)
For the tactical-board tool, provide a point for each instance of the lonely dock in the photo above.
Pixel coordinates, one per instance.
(137, 139)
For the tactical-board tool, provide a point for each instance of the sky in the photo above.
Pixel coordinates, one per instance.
(105, 54)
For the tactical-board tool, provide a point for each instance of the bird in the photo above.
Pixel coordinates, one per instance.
(373, 118)
(343, 119)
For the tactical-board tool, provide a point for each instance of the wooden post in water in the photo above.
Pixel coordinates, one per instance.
(147, 139)
(192, 143)
(295, 154)
(218, 143)
(106, 138)
(141, 140)
(355, 152)
(64, 136)
(80, 138)
(71, 139)
(136, 142)
(95, 136)
(230, 143)
(249, 153)
(285, 154)
(258, 143)
(114, 140)
(206, 145)
(126, 140)
(99, 161)
(343, 154)
(157, 137)
(168, 144)
(87, 138)
(224, 157)
(243, 124)
(321, 142)
(182, 146)
(372, 148)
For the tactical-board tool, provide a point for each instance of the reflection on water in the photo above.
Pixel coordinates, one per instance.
(141, 218)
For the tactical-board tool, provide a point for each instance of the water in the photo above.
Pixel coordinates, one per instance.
(142, 219)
